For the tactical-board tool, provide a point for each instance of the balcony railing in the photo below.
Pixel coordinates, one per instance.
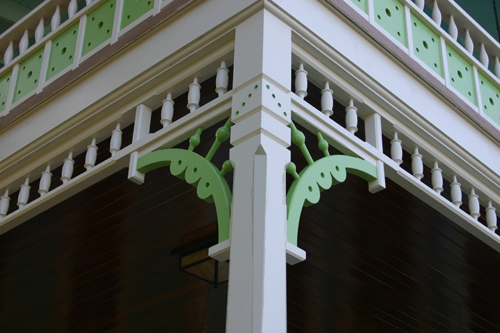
(448, 43)
(59, 35)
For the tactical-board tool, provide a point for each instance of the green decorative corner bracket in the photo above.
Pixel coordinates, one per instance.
(198, 171)
(318, 176)
(212, 187)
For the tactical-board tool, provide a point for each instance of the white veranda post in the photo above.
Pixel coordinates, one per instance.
(260, 136)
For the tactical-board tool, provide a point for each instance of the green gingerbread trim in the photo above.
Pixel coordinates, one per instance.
(318, 176)
(198, 171)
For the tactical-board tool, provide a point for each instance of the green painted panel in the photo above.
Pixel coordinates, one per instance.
(27, 77)
(490, 96)
(4, 90)
(426, 45)
(99, 26)
(133, 9)
(361, 4)
(62, 51)
(461, 75)
(390, 15)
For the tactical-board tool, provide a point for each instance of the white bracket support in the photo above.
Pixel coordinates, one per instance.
(220, 252)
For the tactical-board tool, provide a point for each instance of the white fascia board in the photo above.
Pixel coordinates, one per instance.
(401, 87)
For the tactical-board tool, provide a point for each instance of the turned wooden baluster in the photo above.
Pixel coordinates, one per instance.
(56, 19)
(417, 165)
(452, 28)
(437, 178)
(491, 217)
(45, 181)
(194, 95)
(222, 79)
(301, 82)
(4, 204)
(40, 31)
(327, 100)
(436, 13)
(468, 43)
(474, 204)
(167, 111)
(9, 54)
(67, 169)
(24, 193)
(396, 149)
(91, 156)
(72, 8)
(483, 56)
(351, 117)
(24, 42)
(456, 192)
(116, 140)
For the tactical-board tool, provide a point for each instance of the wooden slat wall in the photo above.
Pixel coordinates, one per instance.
(387, 262)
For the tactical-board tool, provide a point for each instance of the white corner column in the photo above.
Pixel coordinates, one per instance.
(260, 136)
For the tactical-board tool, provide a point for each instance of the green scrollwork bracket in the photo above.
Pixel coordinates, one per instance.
(198, 171)
(318, 176)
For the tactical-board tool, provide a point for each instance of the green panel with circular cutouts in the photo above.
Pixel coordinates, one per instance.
(133, 9)
(62, 51)
(390, 15)
(28, 75)
(362, 4)
(461, 75)
(99, 26)
(4, 90)
(490, 96)
(426, 45)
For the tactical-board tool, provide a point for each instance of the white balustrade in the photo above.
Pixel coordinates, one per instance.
(327, 100)
(456, 192)
(167, 111)
(301, 82)
(72, 8)
(221, 80)
(396, 149)
(24, 193)
(351, 117)
(88, 2)
(91, 156)
(24, 42)
(194, 95)
(420, 4)
(491, 217)
(67, 169)
(417, 165)
(474, 204)
(116, 140)
(4, 204)
(437, 178)
(56, 19)
(45, 181)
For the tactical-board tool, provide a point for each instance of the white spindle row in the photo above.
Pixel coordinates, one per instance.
(417, 168)
(55, 22)
(327, 100)
(66, 172)
(484, 58)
